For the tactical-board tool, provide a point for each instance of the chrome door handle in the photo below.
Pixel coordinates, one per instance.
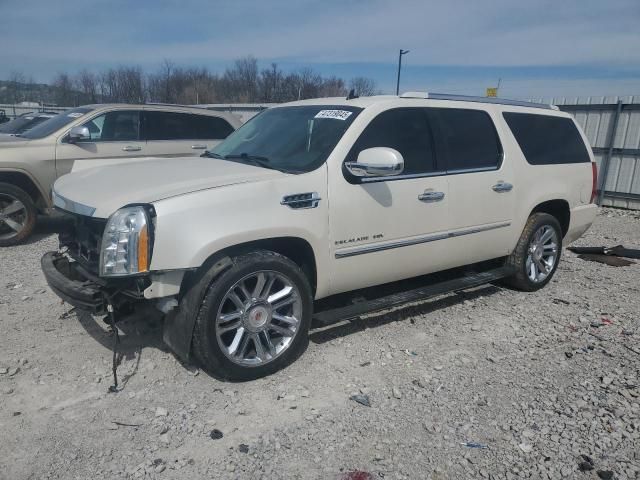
(502, 187)
(198, 147)
(431, 196)
(130, 148)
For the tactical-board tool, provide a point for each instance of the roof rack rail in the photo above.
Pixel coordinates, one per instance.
(162, 104)
(469, 98)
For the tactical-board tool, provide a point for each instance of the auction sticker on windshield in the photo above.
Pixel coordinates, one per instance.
(337, 114)
(75, 115)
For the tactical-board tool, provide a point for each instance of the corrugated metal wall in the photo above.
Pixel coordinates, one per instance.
(597, 117)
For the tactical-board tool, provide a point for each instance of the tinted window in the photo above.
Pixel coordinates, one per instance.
(206, 126)
(465, 139)
(167, 126)
(547, 140)
(405, 130)
(119, 126)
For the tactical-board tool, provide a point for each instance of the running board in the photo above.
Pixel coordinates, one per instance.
(336, 315)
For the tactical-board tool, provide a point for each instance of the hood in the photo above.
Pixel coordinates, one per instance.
(104, 190)
(10, 140)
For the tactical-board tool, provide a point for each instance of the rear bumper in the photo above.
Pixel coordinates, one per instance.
(581, 219)
(71, 285)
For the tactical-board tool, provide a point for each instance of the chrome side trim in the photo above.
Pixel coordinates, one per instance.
(432, 237)
(71, 206)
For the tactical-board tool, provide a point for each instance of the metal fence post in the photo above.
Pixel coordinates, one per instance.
(604, 167)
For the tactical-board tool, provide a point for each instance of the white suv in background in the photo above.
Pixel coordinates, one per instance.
(94, 135)
(311, 201)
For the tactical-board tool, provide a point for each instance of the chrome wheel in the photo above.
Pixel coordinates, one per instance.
(542, 254)
(258, 318)
(13, 216)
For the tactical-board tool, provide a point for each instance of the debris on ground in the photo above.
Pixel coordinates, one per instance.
(605, 474)
(216, 434)
(586, 463)
(474, 445)
(356, 475)
(617, 251)
(606, 259)
(361, 399)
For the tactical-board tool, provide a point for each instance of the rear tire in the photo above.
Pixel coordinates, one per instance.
(17, 215)
(254, 318)
(537, 253)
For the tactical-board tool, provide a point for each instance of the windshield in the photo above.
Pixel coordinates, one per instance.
(54, 124)
(292, 139)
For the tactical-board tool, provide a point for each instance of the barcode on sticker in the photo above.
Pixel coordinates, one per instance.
(337, 114)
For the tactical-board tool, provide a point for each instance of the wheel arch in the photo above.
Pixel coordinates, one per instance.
(296, 249)
(180, 323)
(557, 208)
(26, 182)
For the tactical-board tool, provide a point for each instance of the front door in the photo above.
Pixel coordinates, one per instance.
(389, 228)
(114, 135)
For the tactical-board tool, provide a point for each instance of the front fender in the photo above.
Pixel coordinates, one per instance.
(191, 228)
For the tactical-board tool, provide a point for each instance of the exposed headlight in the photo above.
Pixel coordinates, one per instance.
(126, 243)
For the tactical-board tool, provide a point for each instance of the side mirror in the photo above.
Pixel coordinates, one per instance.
(377, 162)
(78, 134)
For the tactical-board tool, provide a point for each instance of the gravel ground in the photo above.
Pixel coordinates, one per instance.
(543, 385)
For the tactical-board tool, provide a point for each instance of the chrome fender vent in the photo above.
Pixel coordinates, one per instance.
(299, 201)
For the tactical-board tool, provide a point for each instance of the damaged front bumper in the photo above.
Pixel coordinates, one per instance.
(71, 284)
(86, 291)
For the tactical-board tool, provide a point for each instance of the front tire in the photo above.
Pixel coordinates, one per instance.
(255, 317)
(17, 215)
(537, 253)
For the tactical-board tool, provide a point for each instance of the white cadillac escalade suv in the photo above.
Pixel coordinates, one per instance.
(244, 247)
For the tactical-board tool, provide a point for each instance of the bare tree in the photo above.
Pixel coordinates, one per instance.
(241, 82)
(310, 83)
(333, 87)
(87, 84)
(15, 87)
(65, 95)
(363, 86)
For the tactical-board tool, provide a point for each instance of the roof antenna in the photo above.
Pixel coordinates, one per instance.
(352, 94)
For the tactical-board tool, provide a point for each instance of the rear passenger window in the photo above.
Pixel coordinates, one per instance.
(210, 127)
(167, 126)
(547, 140)
(405, 130)
(465, 139)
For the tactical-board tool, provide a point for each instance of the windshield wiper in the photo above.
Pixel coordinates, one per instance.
(210, 154)
(258, 160)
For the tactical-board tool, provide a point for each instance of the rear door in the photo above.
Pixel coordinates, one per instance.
(172, 134)
(481, 184)
(114, 135)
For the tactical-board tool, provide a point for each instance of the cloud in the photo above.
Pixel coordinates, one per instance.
(44, 36)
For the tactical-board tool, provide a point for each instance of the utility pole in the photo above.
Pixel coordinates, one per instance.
(402, 52)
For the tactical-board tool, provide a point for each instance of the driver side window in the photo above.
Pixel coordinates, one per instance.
(405, 130)
(119, 126)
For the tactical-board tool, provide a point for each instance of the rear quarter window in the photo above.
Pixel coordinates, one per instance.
(547, 140)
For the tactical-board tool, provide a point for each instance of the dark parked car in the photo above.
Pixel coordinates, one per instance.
(25, 122)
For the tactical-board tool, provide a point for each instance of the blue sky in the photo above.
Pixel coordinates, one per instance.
(538, 47)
